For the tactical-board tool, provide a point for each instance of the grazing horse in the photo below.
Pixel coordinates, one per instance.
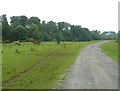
(58, 42)
(16, 42)
(36, 42)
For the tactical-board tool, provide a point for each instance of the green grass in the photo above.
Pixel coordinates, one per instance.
(0, 64)
(111, 49)
(49, 70)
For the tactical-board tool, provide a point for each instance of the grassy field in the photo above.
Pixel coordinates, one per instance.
(51, 63)
(111, 49)
(0, 65)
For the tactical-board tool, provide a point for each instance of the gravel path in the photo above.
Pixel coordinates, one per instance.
(93, 70)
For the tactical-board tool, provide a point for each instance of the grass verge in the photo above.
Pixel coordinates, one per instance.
(111, 49)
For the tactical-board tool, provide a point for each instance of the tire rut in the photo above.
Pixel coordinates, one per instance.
(14, 78)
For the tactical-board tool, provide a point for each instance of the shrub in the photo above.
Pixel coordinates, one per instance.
(6, 41)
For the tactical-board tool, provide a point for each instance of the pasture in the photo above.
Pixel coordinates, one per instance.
(0, 65)
(111, 49)
(42, 66)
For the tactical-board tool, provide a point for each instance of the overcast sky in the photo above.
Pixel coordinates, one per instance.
(99, 15)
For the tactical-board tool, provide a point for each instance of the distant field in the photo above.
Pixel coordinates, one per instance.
(111, 49)
(45, 63)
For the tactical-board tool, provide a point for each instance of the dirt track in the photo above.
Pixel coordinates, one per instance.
(93, 70)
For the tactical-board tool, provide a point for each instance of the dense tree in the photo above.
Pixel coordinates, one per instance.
(15, 21)
(109, 35)
(24, 28)
(96, 34)
(5, 28)
(20, 33)
(23, 20)
(58, 37)
(33, 20)
(87, 36)
(19, 20)
(77, 33)
(67, 35)
(45, 36)
(63, 26)
(51, 29)
(34, 32)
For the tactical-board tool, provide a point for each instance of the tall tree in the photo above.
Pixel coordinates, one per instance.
(20, 33)
(58, 36)
(33, 20)
(95, 34)
(52, 29)
(34, 32)
(14, 21)
(22, 28)
(19, 20)
(5, 28)
(23, 20)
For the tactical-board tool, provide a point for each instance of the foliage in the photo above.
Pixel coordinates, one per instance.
(23, 28)
(5, 28)
(109, 35)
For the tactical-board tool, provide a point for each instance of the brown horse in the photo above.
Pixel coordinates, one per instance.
(36, 42)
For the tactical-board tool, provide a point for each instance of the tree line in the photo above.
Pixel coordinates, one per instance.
(25, 29)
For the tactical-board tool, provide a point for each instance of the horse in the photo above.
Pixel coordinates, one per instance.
(16, 42)
(36, 42)
(58, 42)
